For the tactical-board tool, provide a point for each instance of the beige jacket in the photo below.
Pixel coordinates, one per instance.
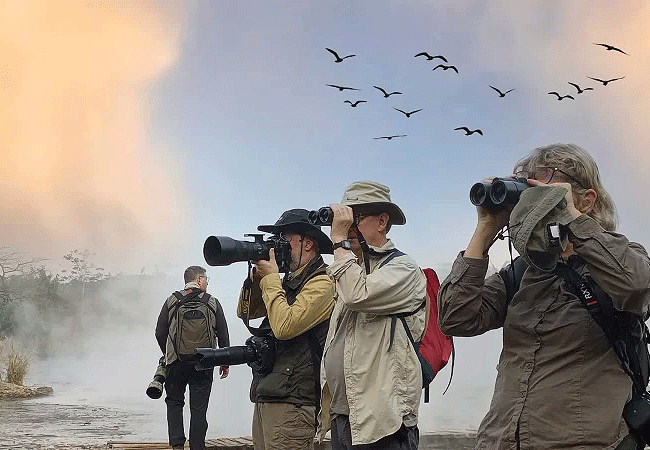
(383, 387)
(559, 384)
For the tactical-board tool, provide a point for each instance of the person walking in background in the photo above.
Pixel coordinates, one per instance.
(190, 319)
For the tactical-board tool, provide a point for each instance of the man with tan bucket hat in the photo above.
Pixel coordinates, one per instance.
(370, 375)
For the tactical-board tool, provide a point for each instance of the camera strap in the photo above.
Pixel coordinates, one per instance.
(615, 324)
(365, 248)
(265, 326)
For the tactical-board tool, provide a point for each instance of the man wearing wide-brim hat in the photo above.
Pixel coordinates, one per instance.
(297, 307)
(371, 384)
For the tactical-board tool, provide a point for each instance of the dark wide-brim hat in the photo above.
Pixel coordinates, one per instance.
(296, 220)
(373, 197)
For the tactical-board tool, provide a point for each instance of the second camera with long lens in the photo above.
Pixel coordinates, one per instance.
(499, 193)
(259, 353)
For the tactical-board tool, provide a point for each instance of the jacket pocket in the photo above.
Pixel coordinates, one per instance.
(276, 383)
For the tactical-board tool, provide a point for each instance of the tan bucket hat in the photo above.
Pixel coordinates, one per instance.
(538, 207)
(370, 196)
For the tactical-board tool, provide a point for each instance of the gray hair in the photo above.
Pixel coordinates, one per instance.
(578, 163)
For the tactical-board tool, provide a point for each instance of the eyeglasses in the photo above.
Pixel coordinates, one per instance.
(285, 237)
(545, 175)
(358, 217)
(207, 279)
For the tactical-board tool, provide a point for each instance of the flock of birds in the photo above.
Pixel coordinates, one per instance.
(444, 67)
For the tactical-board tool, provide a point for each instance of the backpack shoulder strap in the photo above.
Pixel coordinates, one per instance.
(512, 275)
(180, 300)
(394, 253)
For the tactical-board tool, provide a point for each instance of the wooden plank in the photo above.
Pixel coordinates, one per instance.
(236, 443)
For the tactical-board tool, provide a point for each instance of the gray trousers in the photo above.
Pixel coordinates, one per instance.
(406, 438)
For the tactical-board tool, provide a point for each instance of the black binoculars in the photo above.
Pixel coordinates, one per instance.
(321, 217)
(498, 193)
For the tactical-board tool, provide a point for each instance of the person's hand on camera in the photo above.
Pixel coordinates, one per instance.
(265, 267)
(341, 222)
(224, 371)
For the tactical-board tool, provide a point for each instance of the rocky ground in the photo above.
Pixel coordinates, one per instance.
(9, 390)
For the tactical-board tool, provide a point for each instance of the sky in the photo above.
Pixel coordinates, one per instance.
(137, 129)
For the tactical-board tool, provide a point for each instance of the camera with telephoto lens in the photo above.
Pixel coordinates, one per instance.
(321, 217)
(498, 193)
(155, 388)
(258, 353)
(223, 250)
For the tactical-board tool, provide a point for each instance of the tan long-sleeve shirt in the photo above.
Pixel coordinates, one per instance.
(559, 384)
(313, 304)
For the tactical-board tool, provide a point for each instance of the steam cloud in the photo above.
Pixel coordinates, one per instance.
(77, 169)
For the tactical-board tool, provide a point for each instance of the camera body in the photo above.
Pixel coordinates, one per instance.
(499, 193)
(258, 353)
(223, 250)
(321, 217)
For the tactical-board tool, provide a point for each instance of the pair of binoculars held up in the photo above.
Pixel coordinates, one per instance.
(498, 193)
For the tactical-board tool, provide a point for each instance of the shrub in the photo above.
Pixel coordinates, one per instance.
(17, 365)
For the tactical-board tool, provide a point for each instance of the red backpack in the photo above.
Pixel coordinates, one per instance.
(435, 348)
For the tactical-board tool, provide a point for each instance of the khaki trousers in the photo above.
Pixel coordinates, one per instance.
(283, 426)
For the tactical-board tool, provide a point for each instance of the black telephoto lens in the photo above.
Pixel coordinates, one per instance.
(223, 250)
(207, 358)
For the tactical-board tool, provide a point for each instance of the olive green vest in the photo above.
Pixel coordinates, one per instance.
(294, 378)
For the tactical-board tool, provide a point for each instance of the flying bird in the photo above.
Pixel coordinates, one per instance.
(446, 67)
(611, 47)
(354, 105)
(390, 137)
(429, 57)
(580, 91)
(560, 97)
(408, 114)
(386, 94)
(468, 131)
(605, 81)
(342, 88)
(338, 58)
(501, 94)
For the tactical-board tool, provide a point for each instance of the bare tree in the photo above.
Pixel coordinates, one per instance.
(13, 263)
(83, 270)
